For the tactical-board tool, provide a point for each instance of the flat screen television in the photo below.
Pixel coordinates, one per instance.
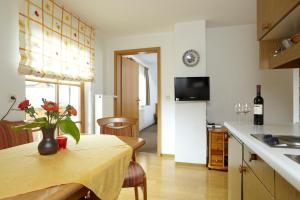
(192, 89)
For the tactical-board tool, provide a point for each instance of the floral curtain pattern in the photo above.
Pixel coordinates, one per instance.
(54, 43)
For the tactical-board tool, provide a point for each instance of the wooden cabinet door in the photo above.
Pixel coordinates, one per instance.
(253, 189)
(282, 8)
(270, 12)
(260, 168)
(265, 9)
(235, 160)
(284, 190)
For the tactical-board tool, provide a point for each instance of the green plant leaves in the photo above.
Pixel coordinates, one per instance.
(69, 127)
(30, 126)
(42, 119)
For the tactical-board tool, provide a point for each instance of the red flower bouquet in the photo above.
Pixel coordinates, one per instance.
(48, 124)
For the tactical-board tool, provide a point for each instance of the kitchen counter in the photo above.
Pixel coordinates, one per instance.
(275, 157)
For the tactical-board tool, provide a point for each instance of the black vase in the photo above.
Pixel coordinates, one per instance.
(48, 145)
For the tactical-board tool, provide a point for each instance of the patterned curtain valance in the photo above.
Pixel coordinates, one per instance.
(54, 43)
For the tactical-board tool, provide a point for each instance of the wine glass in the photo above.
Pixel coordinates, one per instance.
(246, 109)
(238, 108)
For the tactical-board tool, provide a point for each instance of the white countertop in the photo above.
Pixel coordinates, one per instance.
(275, 157)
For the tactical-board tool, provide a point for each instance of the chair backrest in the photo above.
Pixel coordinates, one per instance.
(119, 126)
(9, 138)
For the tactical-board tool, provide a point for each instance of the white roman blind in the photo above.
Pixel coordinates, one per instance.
(55, 43)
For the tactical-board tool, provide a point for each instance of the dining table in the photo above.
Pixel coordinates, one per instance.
(95, 166)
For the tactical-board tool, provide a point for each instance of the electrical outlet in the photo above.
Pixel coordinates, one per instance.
(13, 98)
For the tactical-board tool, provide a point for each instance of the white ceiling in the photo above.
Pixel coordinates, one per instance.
(127, 17)
(149, 59)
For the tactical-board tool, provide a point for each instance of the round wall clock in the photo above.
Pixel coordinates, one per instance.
(191, 58)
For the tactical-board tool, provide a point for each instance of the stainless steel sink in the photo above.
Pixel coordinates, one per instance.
(295, 158)
(290, 141)
(280, 141)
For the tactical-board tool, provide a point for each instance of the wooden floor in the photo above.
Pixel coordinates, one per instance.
(167, 181)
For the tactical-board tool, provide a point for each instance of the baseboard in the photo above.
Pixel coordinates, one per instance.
(189, 164)
(172, 156)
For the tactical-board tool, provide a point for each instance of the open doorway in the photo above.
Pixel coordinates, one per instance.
(137, 88)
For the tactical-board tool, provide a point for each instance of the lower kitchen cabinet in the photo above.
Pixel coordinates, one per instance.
(260, 168)
(253, 189)
(284, 190)
(235, 160)
(251, 178)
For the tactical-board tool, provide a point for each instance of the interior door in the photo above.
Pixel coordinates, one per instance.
(130, 89)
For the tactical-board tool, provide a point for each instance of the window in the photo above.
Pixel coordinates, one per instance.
(144, 91)
(55, 45)
(64, 93)
(54, 42)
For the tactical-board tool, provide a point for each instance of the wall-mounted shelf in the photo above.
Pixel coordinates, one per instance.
(289, 58)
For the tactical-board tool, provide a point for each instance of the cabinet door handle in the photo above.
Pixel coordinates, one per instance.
(252, 157)
(242, 169)
(266, 26)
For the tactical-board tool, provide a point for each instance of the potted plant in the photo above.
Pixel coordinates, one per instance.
(53, 119)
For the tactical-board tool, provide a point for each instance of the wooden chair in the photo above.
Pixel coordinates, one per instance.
(122, 126)
(8, 138)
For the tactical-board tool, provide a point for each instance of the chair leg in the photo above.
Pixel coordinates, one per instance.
(136, 193)
(145, 188)
(92, 196)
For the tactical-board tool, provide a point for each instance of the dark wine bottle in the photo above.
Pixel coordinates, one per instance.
(258, 107)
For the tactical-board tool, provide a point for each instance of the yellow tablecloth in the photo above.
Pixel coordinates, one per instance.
(98, 162)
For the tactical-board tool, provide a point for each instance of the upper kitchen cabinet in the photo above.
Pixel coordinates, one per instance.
(278, 32)
(270, 13)
(264, 17)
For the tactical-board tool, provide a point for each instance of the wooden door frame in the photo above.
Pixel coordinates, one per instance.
(118, 94)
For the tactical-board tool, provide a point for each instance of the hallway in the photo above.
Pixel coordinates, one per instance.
(149, 134)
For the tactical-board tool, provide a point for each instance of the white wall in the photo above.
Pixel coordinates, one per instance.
(11, 83)
(233, 65)
(165, 41)
(296, 95)
(97, 85)
(193, 37)
(190, 117)
(99, 62)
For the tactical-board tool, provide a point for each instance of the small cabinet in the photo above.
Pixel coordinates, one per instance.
(252, 187)
(218, 148)
(235, 160)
